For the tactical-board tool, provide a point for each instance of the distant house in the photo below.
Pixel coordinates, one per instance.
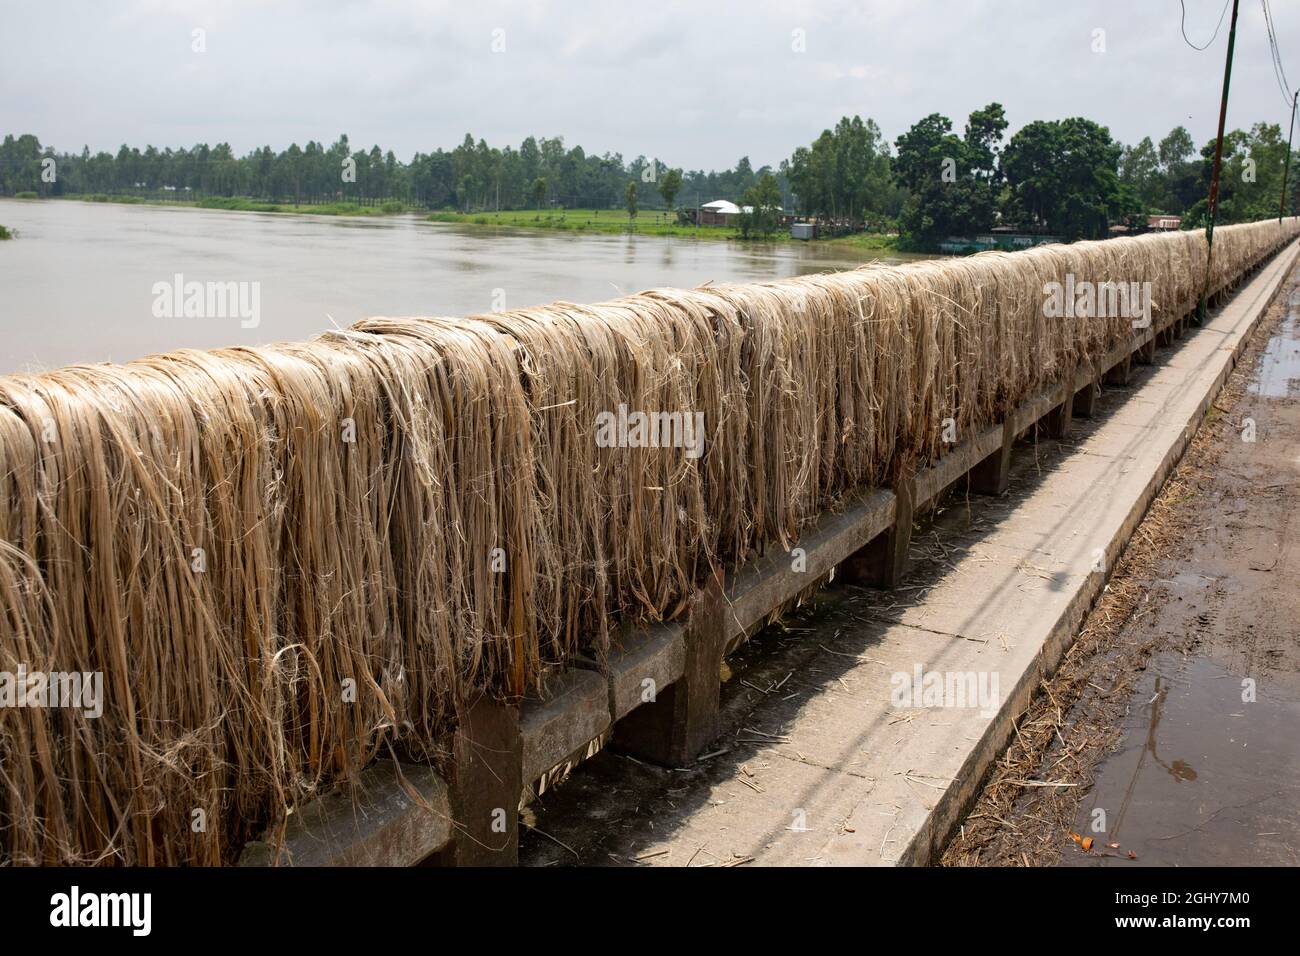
(1164, 222)
(717, 213)
(720, 212)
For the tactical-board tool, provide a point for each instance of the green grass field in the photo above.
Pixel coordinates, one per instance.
(647, 223)
(242, 204)
(651, 222)
(390, 208)
(866, 241)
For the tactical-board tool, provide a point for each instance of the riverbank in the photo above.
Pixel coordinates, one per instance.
(243, 204)
(648, 223)
(600, 221)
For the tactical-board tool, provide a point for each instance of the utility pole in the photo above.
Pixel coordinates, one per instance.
(1218, 163)
(1281, 209)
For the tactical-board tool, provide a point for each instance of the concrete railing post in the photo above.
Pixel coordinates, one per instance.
(486, 782)
(1058, 419)
(1085, 400)
(1120, 374)
(992, 476)
(882, 562)
(682, 720)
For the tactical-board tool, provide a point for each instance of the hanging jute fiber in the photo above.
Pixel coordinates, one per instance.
(284, 561)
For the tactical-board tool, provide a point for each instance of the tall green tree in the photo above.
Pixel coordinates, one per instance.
(629, 199)
(760, 213)
(953, 181)
(1250, 184)
(1181, 170)
(845, 174)
(1063, 177)
(670, 184)
(1140, 170)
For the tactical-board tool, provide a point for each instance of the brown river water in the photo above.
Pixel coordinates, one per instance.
(78, 284)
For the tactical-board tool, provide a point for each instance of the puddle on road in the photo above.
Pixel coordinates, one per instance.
(1203, 778)
(1279, 366)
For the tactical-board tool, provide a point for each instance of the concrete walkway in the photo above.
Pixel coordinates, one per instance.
(824, 763)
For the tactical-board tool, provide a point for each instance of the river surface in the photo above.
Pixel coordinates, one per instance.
(81, 281)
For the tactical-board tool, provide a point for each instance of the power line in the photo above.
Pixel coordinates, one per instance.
(1278, 70)
(1183, 25)
(1272, 38)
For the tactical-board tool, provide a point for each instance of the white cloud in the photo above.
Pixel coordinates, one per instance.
(696, 84)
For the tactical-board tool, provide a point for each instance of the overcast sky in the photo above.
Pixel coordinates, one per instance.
(694, 84)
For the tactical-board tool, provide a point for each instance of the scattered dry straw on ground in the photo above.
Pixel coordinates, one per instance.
(1075, 719)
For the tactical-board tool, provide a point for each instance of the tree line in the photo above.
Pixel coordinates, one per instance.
(470, 178)
(1067, 177)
